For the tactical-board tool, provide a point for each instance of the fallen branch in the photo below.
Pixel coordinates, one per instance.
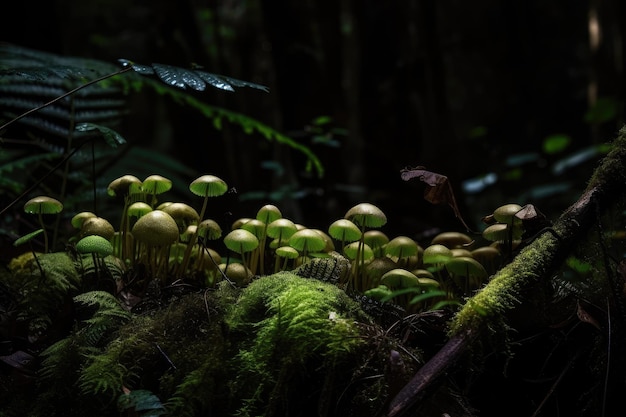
(536, 261)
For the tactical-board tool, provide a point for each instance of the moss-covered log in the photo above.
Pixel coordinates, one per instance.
(535, 262)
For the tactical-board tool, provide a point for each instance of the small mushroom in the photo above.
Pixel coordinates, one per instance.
(43, 205)
(287, 253)
(99, 248)
(97, 226)
(467, 272)
(183, 214)
(345, 231)
(366, 215)
(241, 241)
(281, 229)
(306, 241)
(156, 231)
(452, 240)
(400, 249)
(376, 240)
(268, 213)
(154, 185)
(207, 186)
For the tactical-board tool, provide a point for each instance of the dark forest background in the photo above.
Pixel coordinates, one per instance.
(475, 91)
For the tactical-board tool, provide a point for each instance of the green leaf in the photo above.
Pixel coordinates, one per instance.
(111, 137)
(27, 237)
(556, 143)
(141, 400)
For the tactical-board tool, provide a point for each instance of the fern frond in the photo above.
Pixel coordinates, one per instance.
(107, 305)
(103, 375)
(108, 317)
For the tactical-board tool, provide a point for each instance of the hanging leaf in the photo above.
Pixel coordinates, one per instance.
(193, 78)
(179, 77)
(110, 136)
(439, 190)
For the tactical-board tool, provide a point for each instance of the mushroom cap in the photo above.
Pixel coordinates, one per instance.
(287, 252)
(307, 240)
(423, 273)
(237, 273)
(351, 251)
(485, 253)
(209, 229)
(156, 228)
(138, 209)
(79, 218)
(375, 238)
(452, 240)
(97, 226)
(366, 215)
(43, 205)
(183, 214)
(496, 232)
(344, 230)
(237, 223)
(256, 227)
(401, 247)
(156, 184)
(94, 244)
(466, 267)
(456, 252)
(399, 278)
(122, 185)
(506, 213)
(282, 228)
(208, 186)
(330, 246)
(241, 241)
(268, 213)
(436, 254)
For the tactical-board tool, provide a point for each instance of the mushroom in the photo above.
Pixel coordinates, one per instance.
(153, 185)
(156, 231)
(97, 226)
(436, 255)
(258, 229)
(376, 240)
(99, 248)
(306, 241)
(183, 214)
(286, 252)
(268, 213)
(400, 249)
(345, 231)
(467, 273)
(281, 229)
(241, 241)
(402, 283)
(364, 215)
(452, 240)
(43, 205)
(207, 186)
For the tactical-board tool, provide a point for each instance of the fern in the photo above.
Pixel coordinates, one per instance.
(104, 374)
(141, 403)
(109, 315)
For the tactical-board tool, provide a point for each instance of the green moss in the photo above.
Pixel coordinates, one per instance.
(299, 325)
(503, 291)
